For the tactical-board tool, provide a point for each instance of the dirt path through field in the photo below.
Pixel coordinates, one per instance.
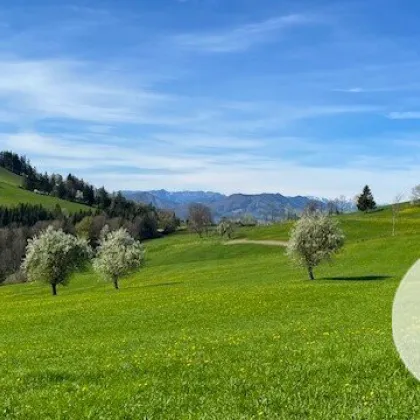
(249, 241)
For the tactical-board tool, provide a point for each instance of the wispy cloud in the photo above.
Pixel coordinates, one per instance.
(73, 90)
(169, 166)
(351, 90)
(98, 91)
(242, 37)
(406, 115)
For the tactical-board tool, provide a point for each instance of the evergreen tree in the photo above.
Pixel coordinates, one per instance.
(88, 194)
(29, 182)
(365, 200)
(103, 199)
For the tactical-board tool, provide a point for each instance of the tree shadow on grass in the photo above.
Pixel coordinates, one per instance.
(358, 278)
(40, 379)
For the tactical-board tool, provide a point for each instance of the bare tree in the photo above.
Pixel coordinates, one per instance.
(415, 195)
(199, 218)
(312, 207)
(341, 204)
(332, 207)
(396, 210)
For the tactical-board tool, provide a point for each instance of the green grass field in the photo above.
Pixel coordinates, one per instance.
(207, 331)
(12, 195)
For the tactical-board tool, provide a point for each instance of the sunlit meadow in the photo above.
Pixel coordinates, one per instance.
(208, 331)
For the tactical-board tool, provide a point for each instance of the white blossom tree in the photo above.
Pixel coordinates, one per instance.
(53, 256)
(225, 228)
(314, 239)
(118, 255)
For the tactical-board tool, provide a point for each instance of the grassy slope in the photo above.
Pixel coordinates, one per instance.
(12, 195)
(207, 331)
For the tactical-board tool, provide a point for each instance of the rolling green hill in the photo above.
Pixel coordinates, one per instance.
(208, 331)
(12, 195)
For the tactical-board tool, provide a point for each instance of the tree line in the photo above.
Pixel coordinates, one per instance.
(29, 214)
(70, 188)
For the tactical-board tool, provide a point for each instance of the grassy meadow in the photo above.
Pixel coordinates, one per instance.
(208, 331)
(11, 195)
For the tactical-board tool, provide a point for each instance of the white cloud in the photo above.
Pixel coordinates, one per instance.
(242, 37)
(236, 172)
(282, 177)
(74, 90)
(409, 115)
(100, 155)
(351, 90)
(55, 89)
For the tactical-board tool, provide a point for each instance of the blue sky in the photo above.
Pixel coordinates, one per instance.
(300, 97)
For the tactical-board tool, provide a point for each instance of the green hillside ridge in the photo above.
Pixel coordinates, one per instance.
(379, 224)
(208, 331)
(10, 178)
(12, 195)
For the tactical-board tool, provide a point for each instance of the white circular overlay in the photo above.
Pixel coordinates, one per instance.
(406, 320)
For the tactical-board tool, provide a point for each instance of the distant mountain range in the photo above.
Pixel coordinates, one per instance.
(261, 206)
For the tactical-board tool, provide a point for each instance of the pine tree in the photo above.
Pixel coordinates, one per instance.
(365, 201)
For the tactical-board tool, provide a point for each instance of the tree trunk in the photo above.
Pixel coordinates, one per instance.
(115, 281)
(311, 273)
(54, 289)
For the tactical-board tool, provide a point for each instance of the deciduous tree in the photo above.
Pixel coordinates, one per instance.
(199, 218)
(396, 211)
(118, 255)
(415, 195)
(314, 239)
(225, 228)
(53, 256)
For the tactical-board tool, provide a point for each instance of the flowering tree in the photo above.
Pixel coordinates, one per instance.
(225, 228)
(118, 255)
(53, 256)
(315, 238)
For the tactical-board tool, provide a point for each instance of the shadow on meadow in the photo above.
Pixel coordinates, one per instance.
(358, 278)
(47, 377)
